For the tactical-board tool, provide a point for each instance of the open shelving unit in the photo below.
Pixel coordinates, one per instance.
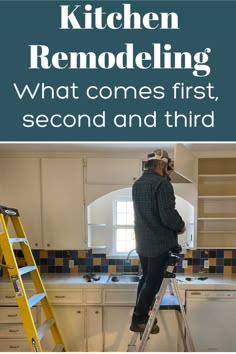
(216, 203)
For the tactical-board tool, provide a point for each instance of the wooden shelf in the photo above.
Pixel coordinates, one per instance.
(217, 203)
(98, 247)
(216, 232)
(217, 178)
(216, 218)
(217, 197)
(97, 225)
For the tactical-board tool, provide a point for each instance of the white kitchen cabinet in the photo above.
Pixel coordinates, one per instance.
(79, 318)
(116, 328)
(12, 333)
(117, 335)
(185, 163)
(71, 323)
(63, 203)
(80, 327)
(20, 189)
(118, 310)
(94, 329)
(113, 171)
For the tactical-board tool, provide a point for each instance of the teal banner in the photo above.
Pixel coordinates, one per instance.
(117, 71)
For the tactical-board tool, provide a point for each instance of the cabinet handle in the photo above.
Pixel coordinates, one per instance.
(13, 330)
(59, 296)
(134, 178)
(36, 244)
(97, 312)
(48, 244)
(9, 296)
(14, 346)
(78, 311)
(15, 315)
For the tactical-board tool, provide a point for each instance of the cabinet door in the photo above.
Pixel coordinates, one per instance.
(71, 323)
(112, 171)
(116, 328)
(117, 334)
(94, 329)
(185, 163)
(20, 188)
(63, 203)
(167, 339)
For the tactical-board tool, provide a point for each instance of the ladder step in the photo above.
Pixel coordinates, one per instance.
(58, 348)
(17, 239)
(26, 269)
(43, 328)
(33, 300)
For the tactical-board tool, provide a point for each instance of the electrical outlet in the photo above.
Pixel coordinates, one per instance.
(185, 263)
(206, 263)
(71, 263)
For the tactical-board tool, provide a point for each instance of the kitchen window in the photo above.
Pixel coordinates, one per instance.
(123, 225)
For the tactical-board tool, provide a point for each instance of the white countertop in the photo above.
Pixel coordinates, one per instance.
(213, 281)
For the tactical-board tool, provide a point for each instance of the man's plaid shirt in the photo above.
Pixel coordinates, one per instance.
(157, 222)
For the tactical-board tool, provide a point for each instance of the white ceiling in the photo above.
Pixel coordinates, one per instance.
(136, 147)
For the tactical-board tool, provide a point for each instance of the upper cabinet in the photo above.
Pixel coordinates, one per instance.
(20, 189)
(63, 203)
(185, 165)
(217, 203)
(49, 195)
(112, 171)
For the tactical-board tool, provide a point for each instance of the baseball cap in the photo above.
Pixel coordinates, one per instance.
(159, 154)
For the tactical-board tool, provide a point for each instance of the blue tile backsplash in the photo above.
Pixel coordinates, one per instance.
(85, 261)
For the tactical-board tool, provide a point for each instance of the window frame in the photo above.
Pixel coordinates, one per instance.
(115, 226)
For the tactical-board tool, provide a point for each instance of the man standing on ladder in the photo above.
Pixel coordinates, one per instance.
(157, 224)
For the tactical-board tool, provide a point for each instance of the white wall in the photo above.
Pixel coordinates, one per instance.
(100, 212)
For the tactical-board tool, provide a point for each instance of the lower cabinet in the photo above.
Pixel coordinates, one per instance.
(117, 334)
(80, 328)
(12, 333)
(116, 328)
(71, 322)
(94, 329)
(90, 320)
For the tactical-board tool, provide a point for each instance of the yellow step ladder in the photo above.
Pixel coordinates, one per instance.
(34, 334)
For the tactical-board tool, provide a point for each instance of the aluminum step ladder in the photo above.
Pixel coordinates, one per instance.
(173, 303)
(34, 334)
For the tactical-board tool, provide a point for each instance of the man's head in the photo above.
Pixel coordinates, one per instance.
(157, 161)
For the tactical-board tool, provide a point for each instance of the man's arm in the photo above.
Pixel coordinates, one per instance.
(166, 204)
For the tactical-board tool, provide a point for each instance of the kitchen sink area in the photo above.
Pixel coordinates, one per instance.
(124, 278)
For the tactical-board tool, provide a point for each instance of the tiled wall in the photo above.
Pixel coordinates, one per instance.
(220, 261)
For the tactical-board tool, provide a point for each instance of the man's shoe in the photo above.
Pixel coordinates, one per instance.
(140, 327)
(155, 321)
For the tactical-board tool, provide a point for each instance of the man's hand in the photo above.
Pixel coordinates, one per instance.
(171, 170)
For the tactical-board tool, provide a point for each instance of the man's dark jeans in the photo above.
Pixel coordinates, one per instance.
(153, 274)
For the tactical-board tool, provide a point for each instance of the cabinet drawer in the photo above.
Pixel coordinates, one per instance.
(65, 297)
(11, 345)
(119, 297)
(93, 297)
(7, 297)
(12, 330)
(11, 314)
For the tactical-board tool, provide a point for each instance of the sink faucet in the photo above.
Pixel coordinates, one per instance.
(128, 257)
(131, 251)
